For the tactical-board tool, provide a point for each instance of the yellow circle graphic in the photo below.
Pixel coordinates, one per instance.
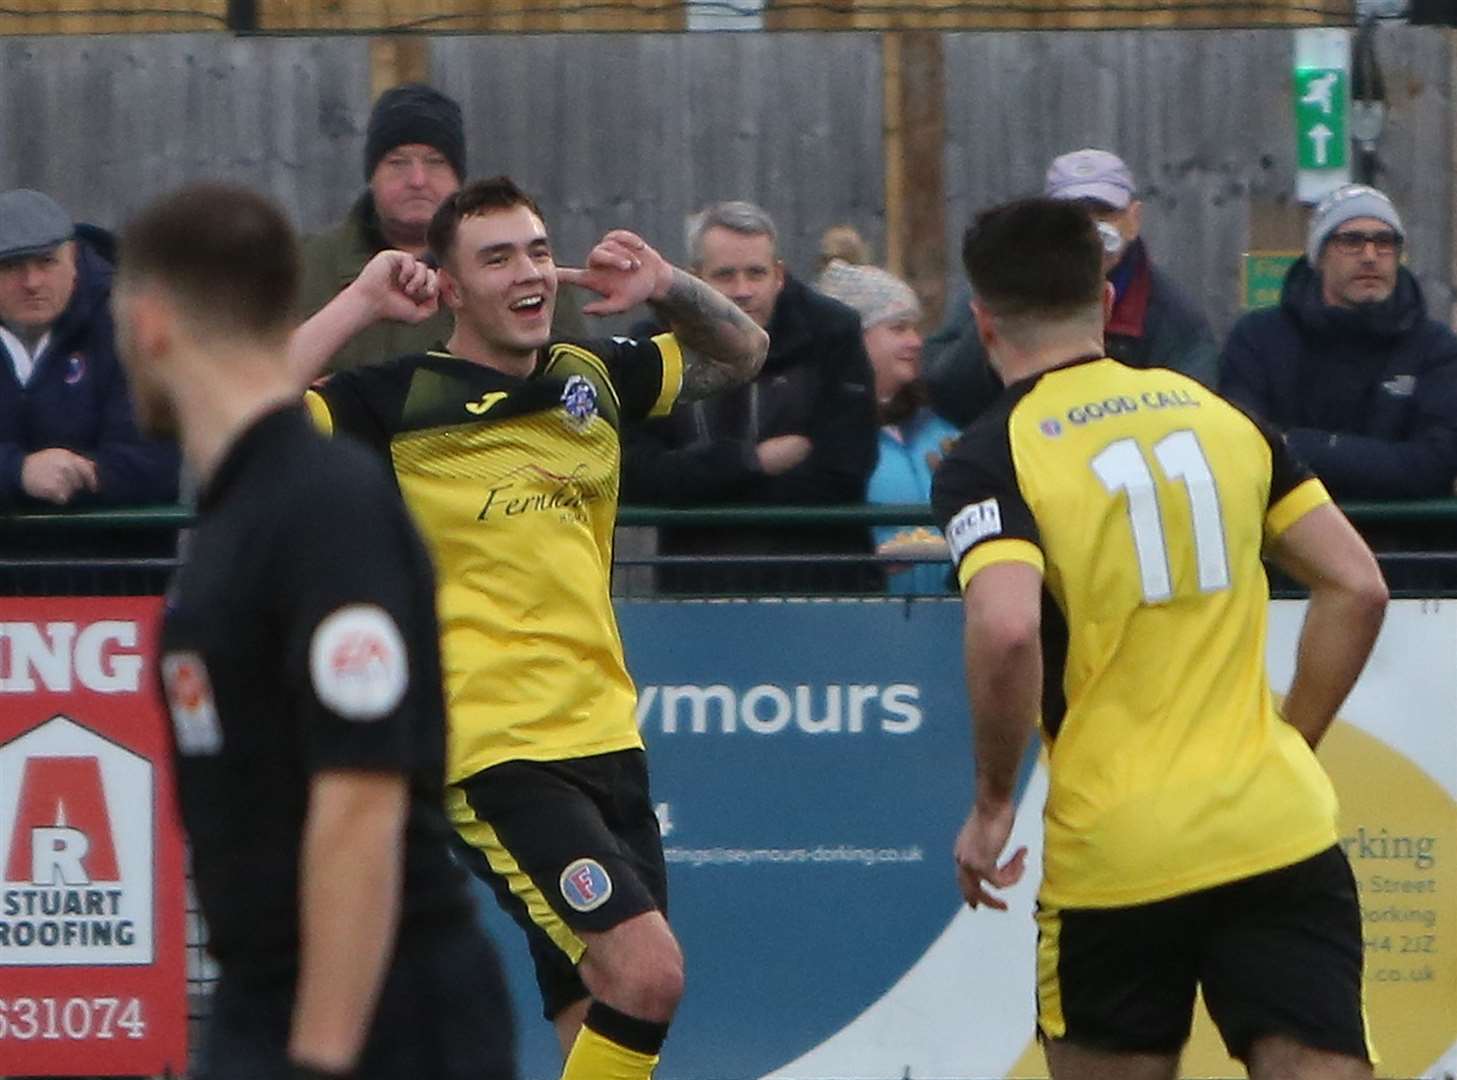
(1399, 829)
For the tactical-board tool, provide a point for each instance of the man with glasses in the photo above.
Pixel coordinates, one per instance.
(1349, 364)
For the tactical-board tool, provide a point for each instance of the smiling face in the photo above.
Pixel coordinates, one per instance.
(1358, 263)
(894, 347)
(500, 281)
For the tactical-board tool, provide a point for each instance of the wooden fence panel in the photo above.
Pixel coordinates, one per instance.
(471, 16)
(1050, 14)
(109, 17)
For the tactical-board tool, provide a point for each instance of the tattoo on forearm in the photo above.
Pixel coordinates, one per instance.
(721, 345)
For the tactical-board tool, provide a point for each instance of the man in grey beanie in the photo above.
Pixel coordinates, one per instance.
(1349, 364)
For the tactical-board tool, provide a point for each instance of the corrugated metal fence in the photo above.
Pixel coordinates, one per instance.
(638, 130)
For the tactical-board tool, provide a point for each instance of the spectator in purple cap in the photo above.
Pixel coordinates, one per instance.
(414, 157)
(1349, 364)
(1153, 324)
(66, 432)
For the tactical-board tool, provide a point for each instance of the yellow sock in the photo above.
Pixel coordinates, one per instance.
(596, 1057)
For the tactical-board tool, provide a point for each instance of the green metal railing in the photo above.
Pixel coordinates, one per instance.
(1406, 513)
(92, 551)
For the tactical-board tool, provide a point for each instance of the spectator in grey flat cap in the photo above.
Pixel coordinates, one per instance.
(1153, 324)
(1349, 364)
(414, 157)
(66, 432)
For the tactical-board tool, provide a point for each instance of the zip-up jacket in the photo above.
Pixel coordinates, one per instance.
(1367, 397)
(816, 382)
(77, 398)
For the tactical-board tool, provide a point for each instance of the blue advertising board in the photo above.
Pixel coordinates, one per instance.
(811, 763)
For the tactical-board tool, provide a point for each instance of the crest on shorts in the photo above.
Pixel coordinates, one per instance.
(1051, 427)
(579, 399)
(585, 885)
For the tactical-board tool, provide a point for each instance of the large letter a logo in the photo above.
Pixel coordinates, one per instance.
(62, 830)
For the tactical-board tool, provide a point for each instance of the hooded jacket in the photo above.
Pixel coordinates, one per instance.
(1154, 324)
(1367, 397)
(77, 399)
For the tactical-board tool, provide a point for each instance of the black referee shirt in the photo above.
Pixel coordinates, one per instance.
(299, 637)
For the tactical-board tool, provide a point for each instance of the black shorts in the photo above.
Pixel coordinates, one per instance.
(1277, 953)
(443, 1011)
(568, 847)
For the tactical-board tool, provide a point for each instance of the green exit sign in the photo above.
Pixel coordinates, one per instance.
(1320, 118)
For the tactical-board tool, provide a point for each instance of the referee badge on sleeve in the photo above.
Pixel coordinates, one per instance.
(585, 885)
(358, 664)
(190, 701)
(972, 525)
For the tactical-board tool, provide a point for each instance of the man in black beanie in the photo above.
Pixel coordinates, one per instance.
(414, 158)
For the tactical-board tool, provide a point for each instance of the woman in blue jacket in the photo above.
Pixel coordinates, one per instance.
(912, 437)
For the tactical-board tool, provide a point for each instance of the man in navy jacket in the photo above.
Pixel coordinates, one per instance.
(1363, 383)
(66, 431)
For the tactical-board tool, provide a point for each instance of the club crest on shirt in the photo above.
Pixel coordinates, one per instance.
(190, 701)
(358, 664)
(1051, 427)
(579, 399)
(75, 369)
(585, 885)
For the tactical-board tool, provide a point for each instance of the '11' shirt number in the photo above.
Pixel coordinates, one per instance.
(1121, 466)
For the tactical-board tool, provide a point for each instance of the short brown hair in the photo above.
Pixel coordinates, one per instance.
(1035, 258)
(477, 197)
(228, 252)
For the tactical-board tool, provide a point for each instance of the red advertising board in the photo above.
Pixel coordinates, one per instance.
(92, 946)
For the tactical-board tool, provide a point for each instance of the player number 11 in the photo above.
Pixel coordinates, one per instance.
(1122, 466)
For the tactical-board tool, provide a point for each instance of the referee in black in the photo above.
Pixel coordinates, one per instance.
(300, 664)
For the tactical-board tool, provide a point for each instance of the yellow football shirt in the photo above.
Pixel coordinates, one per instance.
(513, 483)
(1145, 500)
